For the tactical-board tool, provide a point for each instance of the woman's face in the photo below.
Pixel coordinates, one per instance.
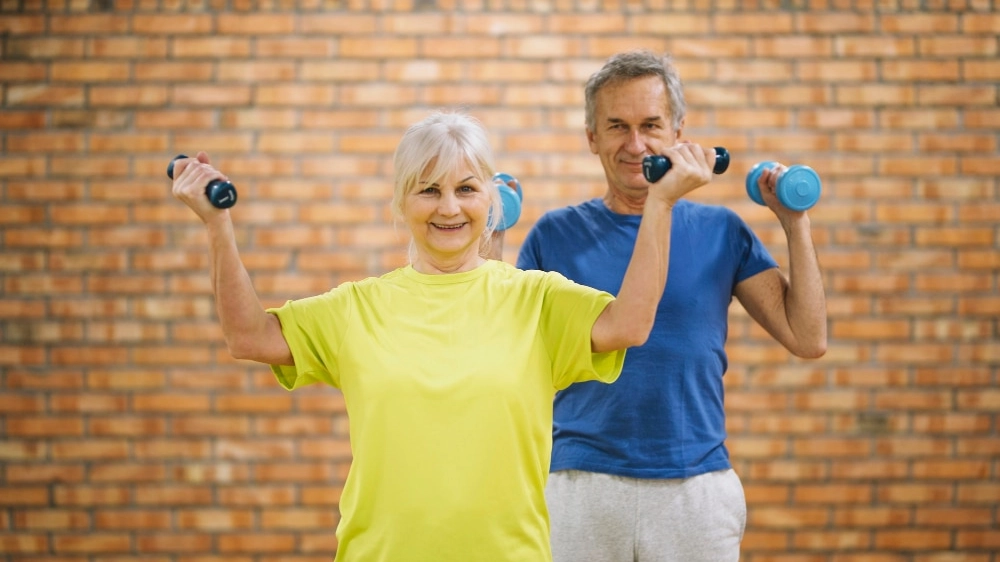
(447, 219)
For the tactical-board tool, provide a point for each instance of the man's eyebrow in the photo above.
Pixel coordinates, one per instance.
(646, 120)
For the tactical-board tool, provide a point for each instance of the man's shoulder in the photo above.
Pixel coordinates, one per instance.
(705, 212)
(579, 211)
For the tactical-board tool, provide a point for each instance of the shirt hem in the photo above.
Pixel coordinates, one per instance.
(645, 473)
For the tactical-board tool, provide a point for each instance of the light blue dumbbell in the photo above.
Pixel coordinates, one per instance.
(799, 187)
(510, 198)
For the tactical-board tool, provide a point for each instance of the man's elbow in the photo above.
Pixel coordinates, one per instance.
(812, 350)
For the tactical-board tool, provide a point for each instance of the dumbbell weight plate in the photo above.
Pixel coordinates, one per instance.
(510, 199)
(753, 190)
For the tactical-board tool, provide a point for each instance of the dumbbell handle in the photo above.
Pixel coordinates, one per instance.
(656, 166)
(221, 194)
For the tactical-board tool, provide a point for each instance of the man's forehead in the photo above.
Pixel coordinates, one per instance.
(638, 105)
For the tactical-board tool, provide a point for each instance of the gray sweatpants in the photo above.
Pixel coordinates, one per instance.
(604, 518)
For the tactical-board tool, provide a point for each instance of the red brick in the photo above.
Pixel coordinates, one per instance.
(83, 495)
(24, 543)
(269, 495)
(127, 426)
(978, 539)
(23, 24)
(874, 46)
(90, 72)
(955, 95)
(52, 519)
(787, 517)
(404, 47)
(126, 472)
(172, 495)
(830, 447)
(300, 471)
(208, 95)
(174, 542)
(171, 449)
(132, 519)
(213, 424)
(214, 519)
(24, 426)
(169, 24)
(24, 496)
(299, 519)
(912, 540)
(757, 539)
(837, 540)
(339, 24)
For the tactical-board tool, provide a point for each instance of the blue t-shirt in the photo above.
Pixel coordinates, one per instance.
(664, 416)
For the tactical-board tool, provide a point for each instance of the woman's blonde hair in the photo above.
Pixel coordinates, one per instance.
(431, 149)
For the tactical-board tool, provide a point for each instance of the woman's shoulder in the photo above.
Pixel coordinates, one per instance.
(525, 276)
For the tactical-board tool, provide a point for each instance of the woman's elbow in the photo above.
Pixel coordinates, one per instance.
(636, 335)
(247, 348)
(617, 340)
(237, 349)
(640, 337)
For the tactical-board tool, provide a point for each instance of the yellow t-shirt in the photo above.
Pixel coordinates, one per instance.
(448, 382)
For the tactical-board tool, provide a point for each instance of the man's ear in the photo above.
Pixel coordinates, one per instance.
(590, 141)
(680, 129)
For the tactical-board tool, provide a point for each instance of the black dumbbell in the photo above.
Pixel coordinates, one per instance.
(221, 193)
(655, 166)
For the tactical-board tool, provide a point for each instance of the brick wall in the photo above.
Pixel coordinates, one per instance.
(129, 434)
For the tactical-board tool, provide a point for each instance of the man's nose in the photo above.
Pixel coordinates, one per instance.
(635, 143)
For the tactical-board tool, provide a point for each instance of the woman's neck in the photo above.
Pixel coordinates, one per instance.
(441, 267)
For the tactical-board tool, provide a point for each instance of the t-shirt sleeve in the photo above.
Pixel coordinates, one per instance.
(753, 256)
(568, 316)
(314, 328)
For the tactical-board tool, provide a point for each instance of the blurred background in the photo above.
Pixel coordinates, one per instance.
(126, 431)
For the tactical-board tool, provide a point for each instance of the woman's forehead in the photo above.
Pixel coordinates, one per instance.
(459, 172)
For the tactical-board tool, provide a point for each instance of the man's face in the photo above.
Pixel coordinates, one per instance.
(631, 121)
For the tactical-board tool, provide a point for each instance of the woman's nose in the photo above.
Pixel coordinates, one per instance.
(448, 204)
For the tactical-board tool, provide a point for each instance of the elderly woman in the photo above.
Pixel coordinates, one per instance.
(449, 365)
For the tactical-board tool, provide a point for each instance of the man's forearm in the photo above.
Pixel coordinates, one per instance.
(805, 301)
